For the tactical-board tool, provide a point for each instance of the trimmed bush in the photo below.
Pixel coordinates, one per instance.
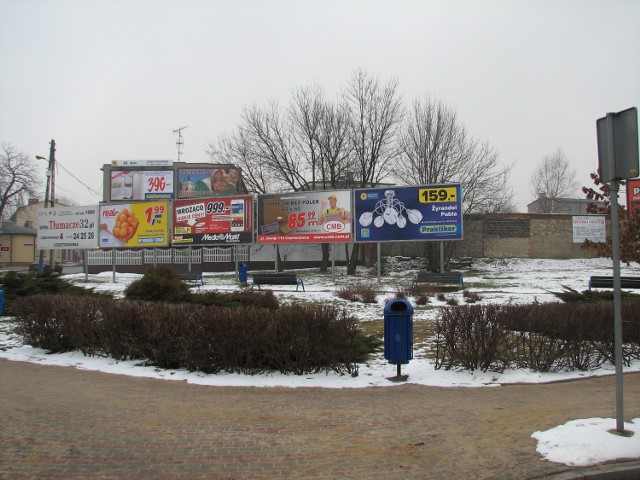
(18, 285)
(292, 339)
(542, 337)
(159, 284)
(244, 298)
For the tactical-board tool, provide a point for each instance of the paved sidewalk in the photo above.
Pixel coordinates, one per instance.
(59, 422)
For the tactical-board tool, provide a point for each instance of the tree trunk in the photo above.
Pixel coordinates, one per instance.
(324, 265)
(353, 259)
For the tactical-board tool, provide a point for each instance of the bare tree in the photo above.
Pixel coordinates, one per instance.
(321, 130)
(18, 181)
(436, 149)
(552, 179)
(271, 140)
(235, 148)
(376, 113)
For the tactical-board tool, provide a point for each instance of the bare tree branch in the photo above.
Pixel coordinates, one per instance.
(553, 179)
(18, 181)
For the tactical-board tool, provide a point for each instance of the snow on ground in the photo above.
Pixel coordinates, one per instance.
(577, 443)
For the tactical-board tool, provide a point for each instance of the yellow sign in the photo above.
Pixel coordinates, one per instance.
(438, 195)
(141, 224)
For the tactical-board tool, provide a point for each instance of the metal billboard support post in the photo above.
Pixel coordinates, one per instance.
(378, 261)
(333, 262)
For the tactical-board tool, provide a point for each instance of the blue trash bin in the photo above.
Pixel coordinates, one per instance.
(398, 331)
(1, 301)
(242, 273)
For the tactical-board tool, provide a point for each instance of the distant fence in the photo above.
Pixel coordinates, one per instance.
(182, 255)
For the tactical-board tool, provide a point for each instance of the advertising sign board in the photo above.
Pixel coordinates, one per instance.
(305, 217)
(208, 182)
(141, 184)
(633, 195)
(213, 221)
(428, 212)
(589, 227)
(141, 163)
(130, 225)
(67, 228)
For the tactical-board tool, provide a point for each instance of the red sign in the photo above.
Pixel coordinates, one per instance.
(633, 195)
(213, 221)
(4, 249)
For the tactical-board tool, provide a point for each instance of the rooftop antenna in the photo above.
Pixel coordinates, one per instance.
(180, 141)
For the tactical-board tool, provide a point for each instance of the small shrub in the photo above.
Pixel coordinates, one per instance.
(402, 293)
(470, 297)
(365, 292)
(441, 297)
(346, 293)
(422, 299)
(452, 301)
(159, 284)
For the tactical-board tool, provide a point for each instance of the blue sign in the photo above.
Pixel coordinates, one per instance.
(428, 212)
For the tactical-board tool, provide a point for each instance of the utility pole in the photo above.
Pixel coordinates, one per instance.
(52, 173)
(49, 198)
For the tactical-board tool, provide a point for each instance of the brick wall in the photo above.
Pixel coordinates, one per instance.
(509, 235)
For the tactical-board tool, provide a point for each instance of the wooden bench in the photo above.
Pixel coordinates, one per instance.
(607, 282)
(452, 278)
(277, 279)
(194, 278)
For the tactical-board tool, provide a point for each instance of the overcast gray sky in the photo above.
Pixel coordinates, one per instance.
(111, 79)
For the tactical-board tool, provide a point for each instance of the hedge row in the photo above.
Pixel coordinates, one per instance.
(541, 337)
(296, 339)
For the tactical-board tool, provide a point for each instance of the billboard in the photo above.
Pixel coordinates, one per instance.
(208, 182)
(141, 184)
(68, 227)
(130, 225)
(213, 221)
(589, 227)
(633, 195)
(305, 217)
(428, 212)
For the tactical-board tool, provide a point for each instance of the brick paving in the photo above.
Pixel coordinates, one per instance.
(63, 423)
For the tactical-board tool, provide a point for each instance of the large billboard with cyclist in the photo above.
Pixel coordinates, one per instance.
(427, 212)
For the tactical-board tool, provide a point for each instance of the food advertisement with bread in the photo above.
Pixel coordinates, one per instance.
(143, 224)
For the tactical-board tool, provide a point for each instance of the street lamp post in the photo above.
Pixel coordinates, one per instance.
(49, 196)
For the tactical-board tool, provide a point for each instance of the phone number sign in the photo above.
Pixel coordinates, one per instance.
(428, 213)
(213, 221)
(67, 228)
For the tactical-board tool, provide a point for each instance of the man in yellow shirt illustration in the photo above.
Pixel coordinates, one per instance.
(333, 212)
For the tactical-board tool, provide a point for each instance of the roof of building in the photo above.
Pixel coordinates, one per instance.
(10, 228)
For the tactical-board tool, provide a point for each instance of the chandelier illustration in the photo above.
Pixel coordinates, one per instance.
(391, 211)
